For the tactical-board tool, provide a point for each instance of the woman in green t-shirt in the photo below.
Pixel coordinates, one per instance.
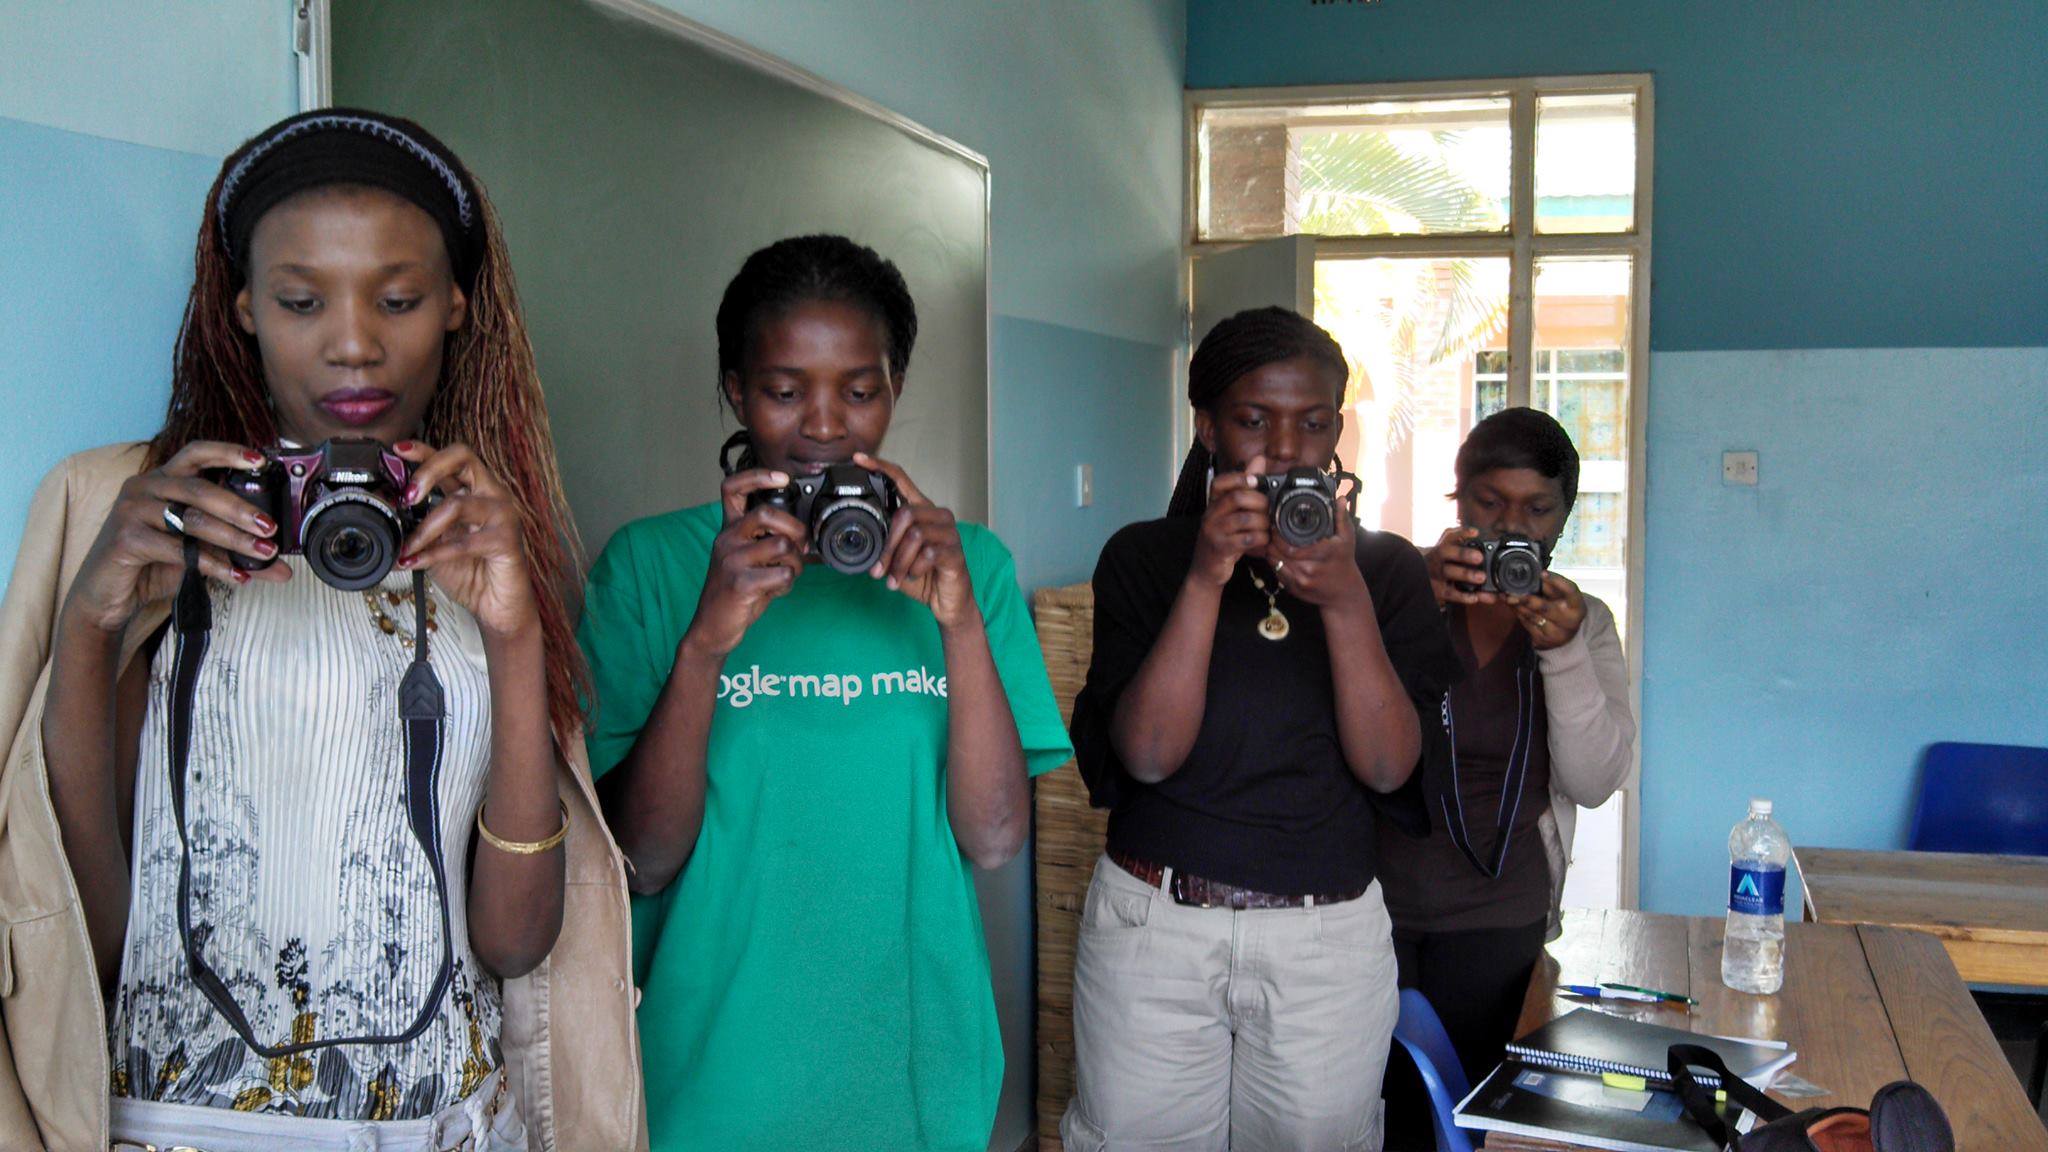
(803, 763)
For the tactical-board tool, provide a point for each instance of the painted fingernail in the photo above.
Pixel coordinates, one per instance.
(253, 456)
(404, 445)
(412, 493)
(241, 577)
(407, 561)
(265, 524)
(266, 549)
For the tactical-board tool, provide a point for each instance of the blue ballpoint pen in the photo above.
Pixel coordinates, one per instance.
(1589, 991)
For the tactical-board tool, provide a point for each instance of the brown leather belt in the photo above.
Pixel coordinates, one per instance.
(1200, 893)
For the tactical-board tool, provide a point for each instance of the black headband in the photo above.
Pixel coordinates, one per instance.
(347, 146)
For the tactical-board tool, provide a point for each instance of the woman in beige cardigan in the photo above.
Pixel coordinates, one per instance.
(1538, 727)
(270, 933)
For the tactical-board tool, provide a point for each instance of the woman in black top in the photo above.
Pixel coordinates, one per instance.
(1538, 725)
(1248, 705)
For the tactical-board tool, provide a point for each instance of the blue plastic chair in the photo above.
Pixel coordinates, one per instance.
(1990, 798)
(1422, 1034)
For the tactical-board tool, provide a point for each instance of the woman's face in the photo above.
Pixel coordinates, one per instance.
(1285, 411)
(351, 300)
(1521, 501)
(815, 386)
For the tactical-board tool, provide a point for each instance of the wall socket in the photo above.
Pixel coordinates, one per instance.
(1084, 485)
(1739, 468)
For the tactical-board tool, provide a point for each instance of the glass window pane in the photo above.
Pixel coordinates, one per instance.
(1379, 168)
(1582, 340)
(1586, 163)
(1420, 335)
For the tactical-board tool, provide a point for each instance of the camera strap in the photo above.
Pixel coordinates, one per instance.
(1511, 786)
(422, 710)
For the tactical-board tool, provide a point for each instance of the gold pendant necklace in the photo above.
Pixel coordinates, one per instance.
(389, 626)
(1274, 626)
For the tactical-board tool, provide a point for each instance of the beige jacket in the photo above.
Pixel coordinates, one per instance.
(570, 1045)
(1592, 734)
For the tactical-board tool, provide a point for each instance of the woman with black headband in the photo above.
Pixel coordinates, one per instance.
(311, 731)
(1538, 726)
(1250, 703)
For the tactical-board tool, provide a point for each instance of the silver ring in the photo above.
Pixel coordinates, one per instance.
(1541, 622)
(174, 517)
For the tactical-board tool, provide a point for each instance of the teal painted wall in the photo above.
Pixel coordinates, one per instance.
(1830, 173)
(1848, 273)
(113, 118)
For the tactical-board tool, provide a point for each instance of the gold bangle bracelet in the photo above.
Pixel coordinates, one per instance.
(522, 847)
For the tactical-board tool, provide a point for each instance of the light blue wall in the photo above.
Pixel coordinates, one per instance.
(1856, 182)
(113, 119)
(1873, 594)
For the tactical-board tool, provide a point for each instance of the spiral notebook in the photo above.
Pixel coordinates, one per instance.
(1584, 1111)
(1585, 1040)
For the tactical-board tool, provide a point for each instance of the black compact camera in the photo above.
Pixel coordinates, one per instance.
(341, 505)
(1304, 504)
(845, 509)
(1513, 565)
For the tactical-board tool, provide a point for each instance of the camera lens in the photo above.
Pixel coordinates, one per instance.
(1304, 517)
(1518, 572)
(351, 540)
(850, 535)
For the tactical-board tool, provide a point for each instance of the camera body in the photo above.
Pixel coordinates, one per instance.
(845, 510)
(341, 505)
(1303, 503)
(1513, 565)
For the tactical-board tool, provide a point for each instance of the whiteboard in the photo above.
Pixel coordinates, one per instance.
(635, 160)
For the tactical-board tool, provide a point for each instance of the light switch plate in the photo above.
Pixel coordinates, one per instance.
(1084, 485)
(1739, 468)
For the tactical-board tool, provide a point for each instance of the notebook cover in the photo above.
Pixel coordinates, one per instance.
(1590, 1041)
(1581, 1110)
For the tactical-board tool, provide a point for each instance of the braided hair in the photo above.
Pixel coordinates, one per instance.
(805, 270)
(1245, 343)
(489, 396)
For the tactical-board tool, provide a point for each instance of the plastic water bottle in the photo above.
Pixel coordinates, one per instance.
(1753, 949)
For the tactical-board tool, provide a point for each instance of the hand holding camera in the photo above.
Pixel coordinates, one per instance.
(1314, 550)
(471, 538)
(356, 509)
(1466, 568)
(138, 557)
(922, 557)
(1238, 521)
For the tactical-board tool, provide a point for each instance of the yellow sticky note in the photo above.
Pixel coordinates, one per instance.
(1624, 1081)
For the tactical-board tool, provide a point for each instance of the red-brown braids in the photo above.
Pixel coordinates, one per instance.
(489, 398)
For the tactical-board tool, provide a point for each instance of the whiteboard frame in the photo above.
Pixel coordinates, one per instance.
(313, 56)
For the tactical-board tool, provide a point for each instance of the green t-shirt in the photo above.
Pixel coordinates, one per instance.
(815, 978)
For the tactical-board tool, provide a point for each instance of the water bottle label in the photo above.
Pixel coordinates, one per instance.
(1754, 892)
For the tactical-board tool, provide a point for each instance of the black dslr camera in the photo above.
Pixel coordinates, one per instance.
(342, 505)
(845, 509)
(1513, 565)
(1304, 505)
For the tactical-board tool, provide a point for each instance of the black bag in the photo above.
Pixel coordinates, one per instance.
(1902, 1117)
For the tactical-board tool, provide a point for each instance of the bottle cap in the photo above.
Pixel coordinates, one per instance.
(1758, 806)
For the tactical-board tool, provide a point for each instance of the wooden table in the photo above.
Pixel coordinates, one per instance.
(1862, 1005)
(1990, 912)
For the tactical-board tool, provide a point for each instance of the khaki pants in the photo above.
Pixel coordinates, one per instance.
(1205, 1029)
